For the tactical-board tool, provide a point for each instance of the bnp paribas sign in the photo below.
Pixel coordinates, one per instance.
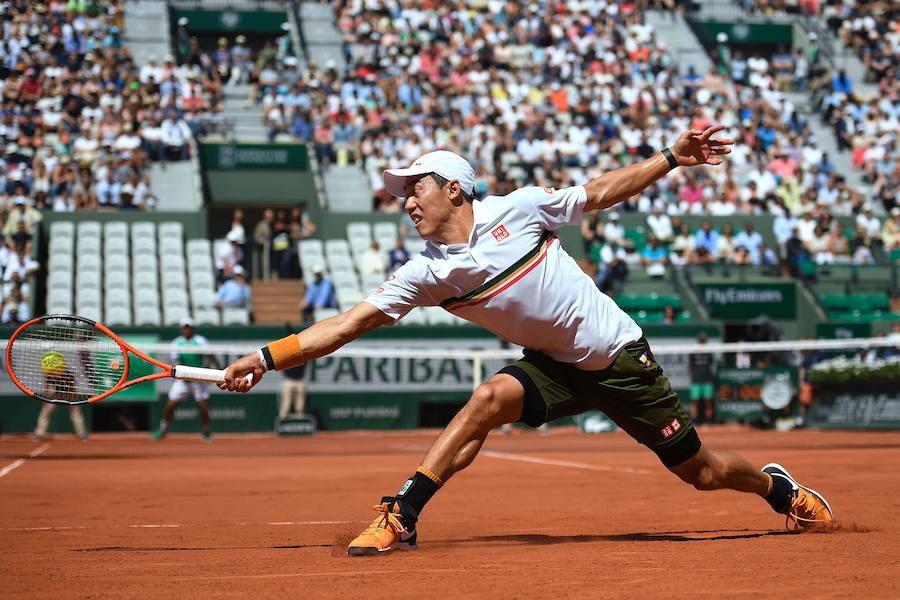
(777, 300)
(259, 157)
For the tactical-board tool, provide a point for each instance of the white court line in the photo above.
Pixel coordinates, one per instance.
(15, 465)
(564, 463)
(179, 525)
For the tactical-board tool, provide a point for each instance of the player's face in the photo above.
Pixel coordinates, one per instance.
(428, 206)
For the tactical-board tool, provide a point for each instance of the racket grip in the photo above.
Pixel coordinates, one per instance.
(201, 374)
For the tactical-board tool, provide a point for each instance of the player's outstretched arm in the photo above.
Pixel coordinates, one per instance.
(313, 342)
(693, 147)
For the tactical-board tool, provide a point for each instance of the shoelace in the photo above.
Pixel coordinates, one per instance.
(803, 503)
(387, 520)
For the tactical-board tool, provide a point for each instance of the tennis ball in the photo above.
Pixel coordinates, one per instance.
(53, 363)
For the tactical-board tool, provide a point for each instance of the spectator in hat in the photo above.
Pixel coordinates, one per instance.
(175, 136)
(319, 294)
(235, 292)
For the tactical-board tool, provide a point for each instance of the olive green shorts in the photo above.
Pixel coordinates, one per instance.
(632, 391)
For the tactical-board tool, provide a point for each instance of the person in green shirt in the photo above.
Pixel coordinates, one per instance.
(182, 354)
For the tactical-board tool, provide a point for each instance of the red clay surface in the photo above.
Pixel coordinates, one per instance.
(562, 516)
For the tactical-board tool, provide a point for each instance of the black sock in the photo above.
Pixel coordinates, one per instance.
(780, 496)
(417, 491)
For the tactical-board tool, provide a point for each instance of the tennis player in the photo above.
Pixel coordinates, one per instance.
(184, 353)
(497, 263)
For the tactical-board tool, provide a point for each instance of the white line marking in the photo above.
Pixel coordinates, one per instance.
(178, 525)
(18, 463)
(355, 573)
(565, 463)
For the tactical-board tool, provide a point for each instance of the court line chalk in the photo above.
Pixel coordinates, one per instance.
(564, 463)
(18, 463)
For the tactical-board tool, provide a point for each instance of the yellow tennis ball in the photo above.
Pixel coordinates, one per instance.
(53, 363)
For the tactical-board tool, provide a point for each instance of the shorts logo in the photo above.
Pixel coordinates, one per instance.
(500, 233)
(549, 190)
(644, 360)
(670, 429)
(379, 290)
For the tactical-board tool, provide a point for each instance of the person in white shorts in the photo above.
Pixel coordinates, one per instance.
(498, 263)
(180, 390)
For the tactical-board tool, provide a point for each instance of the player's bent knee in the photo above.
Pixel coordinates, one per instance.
(485, 406)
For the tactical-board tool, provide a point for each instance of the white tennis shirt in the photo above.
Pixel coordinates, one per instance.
(514, 278)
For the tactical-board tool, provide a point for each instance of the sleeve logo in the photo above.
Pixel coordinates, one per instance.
(500, 233)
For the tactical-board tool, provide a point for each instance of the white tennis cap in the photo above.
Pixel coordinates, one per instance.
(186, 322)
(448, 165)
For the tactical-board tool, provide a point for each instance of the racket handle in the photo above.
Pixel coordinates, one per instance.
(201, 374)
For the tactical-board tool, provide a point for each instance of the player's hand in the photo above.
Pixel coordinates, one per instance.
(695, 147)
(236, 374)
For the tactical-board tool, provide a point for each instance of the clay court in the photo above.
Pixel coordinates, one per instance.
(567, 515)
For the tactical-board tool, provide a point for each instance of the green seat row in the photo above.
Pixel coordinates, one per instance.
(863, 302)
(651, 301)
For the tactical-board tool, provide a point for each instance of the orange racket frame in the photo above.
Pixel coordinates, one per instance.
(174, 371)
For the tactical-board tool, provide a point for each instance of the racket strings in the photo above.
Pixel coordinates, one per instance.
(66, 360)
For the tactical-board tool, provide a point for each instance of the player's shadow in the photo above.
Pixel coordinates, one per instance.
(705, 535)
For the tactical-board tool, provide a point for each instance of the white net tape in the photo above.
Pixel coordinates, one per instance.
(421, 366)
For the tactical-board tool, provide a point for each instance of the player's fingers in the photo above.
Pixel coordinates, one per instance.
(710, 131)
(715, 161)
(725, 142)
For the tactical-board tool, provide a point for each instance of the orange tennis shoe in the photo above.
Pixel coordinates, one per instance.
(391, 530)
(808, 508)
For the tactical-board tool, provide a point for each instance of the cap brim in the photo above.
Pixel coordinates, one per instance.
(395, 180)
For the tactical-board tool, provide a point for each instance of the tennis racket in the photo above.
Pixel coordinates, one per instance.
(71, 360)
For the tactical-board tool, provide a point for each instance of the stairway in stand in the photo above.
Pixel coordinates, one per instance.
(277, 302)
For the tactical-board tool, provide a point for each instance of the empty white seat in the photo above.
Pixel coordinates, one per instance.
(62, 229)
(147, 316)
(172, 230)
(118, 315)
(144, 262)
(143, 229)
(438, 316)
(146, 279)
(175, 296)
(321, 314)
(59, 306)
(203, 298)
(87, 245)
(90, 312)
(348, 297)
(115, 247)
(334, 248)
(414, 317)
(117, 280)
(57, 295)
(118, 297)
(60, 280)
(59, 245)
(359, 246)
(145, 299)
(206, 316)
(344, 278)
(371, 282)
(172, 315)
(310, 248)
(115, 229)
(235, 316)
(359, 230)
(87, 279)
(199, 246)
(117, 262)
(89, 229)
(88, 262)
(340, 263)
(143, 245)
(201, 279)
(168, 246)
(61, 262)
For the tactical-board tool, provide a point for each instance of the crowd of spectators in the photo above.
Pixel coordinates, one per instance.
(552, 94)
(80, 121)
